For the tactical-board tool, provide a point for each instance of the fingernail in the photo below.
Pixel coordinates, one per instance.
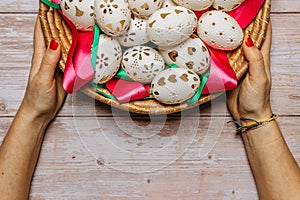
(53, 44)
(249, 42)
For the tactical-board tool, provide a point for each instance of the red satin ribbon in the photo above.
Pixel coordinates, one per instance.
(246, 12)
(126, 91)
(222, 77)
(200, 13)
(79, 69)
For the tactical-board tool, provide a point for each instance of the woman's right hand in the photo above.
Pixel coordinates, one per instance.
(251, 99)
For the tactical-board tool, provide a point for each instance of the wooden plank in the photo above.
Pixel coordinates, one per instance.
(214, 166)
(32, 6)
(19, 6)
(16, 50)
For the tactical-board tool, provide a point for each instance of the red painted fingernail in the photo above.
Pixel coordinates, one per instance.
(249, 42)
(53, 44)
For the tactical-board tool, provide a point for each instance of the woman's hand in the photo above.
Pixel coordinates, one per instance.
(44, 94)
(251, 99)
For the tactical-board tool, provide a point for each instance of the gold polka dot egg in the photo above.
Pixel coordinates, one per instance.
(81, 13)
(219, 30)
(175, 85)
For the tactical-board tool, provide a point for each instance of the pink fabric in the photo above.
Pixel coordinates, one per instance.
(246, 12)
(126, 91)
(222, 77)
(56, 1)
(79, 69)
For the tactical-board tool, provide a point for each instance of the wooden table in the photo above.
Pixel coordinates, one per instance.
(193, 156)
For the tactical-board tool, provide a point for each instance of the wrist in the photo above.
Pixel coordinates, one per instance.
(32, 117)
(258, 115)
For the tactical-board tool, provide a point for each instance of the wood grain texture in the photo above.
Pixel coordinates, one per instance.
(214, 166)
(77, 161)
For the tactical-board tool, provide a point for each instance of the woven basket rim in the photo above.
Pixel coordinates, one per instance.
(55, 27)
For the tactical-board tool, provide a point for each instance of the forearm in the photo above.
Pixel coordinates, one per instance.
(276, 172)
(19, 154)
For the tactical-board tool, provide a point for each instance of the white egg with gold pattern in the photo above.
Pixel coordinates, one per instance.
(194, 4)
(80, 13)
(219, 30)
(175, 85)
(171, 26)
(142, 63)
(112, 16)
(191, 54)
(144, 8)
(227, 5)
(136, 34)
(108, 60)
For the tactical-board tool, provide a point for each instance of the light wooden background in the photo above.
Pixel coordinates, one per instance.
(78, 162)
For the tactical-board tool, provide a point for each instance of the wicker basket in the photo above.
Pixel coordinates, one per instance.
(55, 27)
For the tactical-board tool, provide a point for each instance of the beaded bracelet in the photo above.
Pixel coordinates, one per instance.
(253, 125)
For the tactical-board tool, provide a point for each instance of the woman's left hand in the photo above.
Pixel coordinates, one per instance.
(44, 94)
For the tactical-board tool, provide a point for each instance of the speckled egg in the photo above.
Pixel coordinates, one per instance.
(136, 34)
(191, 54)
(219, 30)
(144, 8)
(171, 26)
(112, 16)
(81, 13)
(109, 58)
(227, 5)
(195, 4)
(175, 85)
(142, 63)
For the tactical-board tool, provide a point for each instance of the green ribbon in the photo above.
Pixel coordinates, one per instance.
(123, 75)
(102, 86)
(172, 66)
(95, 45)
(51, 4)
(196, 97)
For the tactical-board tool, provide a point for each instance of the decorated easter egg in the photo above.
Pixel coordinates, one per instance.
(194, 4)
(144, 8)
(171, 26)
(81, 13)
(219, 30)
(109, 57)
(142, 63)
(191, 54)
(175, 85)
(168, 3)
(112, 16)
(136, 34)
(227, 5)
